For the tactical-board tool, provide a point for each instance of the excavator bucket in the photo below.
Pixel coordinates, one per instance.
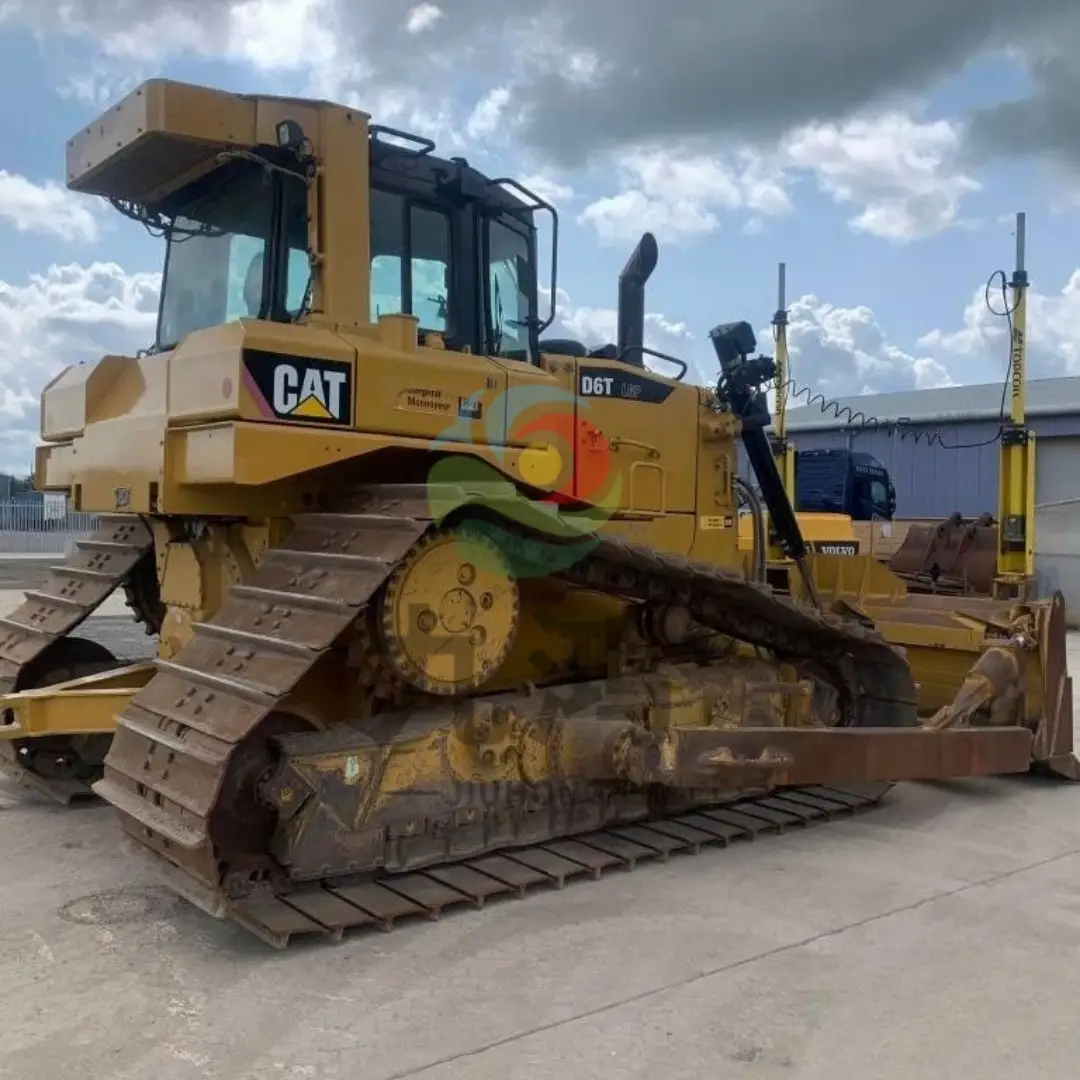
(956, 556)
(1001, 661)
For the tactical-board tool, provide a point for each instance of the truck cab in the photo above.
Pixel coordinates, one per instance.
(844, 482)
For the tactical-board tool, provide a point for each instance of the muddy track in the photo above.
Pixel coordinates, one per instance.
(331, 907)
(167, 768)
(119, 551)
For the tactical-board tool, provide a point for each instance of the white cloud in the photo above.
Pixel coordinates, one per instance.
(902, 172)
(548, 189)
(422, 17)
(1053, 331)
(899, 173)
(841, 351)
(589, 77)
(618, 218)
(68, 314)
(98, 83)
(134, 38)
(155, 36)
(277, 35)
(45, 208)
(681, 196)
(594, 327)
(488, 114)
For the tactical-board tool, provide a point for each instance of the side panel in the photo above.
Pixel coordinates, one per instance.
(428, 393)
(642, 427)
(116, 412)
(825, 534)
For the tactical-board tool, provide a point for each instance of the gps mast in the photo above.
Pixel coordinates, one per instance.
(1016, 476)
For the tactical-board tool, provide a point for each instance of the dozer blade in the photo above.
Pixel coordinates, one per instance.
(1003, 660)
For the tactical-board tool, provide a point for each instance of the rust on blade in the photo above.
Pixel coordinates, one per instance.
(798, 757)
(1053, 751)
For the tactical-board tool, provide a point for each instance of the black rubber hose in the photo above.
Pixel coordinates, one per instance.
(757, 512)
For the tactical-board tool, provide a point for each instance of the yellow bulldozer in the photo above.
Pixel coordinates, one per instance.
(445, 609)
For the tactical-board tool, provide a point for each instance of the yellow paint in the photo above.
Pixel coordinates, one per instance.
(86, 706)
(312, 408)
(816, 528)
(1016, 467)
(184, 435)
(450, 613)
(540, 465)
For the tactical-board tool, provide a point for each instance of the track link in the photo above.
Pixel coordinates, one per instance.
(184, 731)
(116, 553)
(330, 908)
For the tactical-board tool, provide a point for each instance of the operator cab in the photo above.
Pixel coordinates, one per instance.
(449, 245)
(432, 222)
(453, 248)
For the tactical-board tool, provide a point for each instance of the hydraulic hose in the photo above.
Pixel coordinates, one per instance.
(757, 513)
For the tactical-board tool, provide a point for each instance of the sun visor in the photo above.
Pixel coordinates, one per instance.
(161, 136)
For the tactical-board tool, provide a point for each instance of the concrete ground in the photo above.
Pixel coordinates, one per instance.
(18, 573)
(25, 571)
(932, 937)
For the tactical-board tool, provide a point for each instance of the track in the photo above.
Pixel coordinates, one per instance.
(118, 554)
(330, 908)
(179, 764)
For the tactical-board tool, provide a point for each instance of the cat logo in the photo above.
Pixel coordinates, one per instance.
(313, 394)
(299, 387)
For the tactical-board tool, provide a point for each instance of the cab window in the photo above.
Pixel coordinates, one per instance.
(872, 497)
(410, 260)
(508, 296)
(297, 265)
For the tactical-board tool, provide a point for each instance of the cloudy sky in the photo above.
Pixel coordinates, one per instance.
(881, 150)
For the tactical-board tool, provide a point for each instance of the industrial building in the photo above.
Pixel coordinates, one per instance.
(941, 450)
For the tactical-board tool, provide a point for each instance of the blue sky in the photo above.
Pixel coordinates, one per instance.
(891, 199)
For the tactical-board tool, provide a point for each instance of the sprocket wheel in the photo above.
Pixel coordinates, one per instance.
(449, 613)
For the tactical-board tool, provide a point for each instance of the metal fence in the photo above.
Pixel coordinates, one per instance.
(26, 528)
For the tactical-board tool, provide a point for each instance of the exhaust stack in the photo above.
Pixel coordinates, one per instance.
(635, 274)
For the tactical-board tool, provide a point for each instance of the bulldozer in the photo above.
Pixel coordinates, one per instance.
(444, 609)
